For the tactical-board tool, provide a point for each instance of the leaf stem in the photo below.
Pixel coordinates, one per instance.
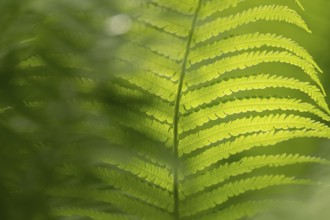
(177, 117)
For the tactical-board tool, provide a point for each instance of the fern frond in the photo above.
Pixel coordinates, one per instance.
(249, 41)
(179, 107)
(137, 187)
(150, 61)
(151, 127)
(208, 200)
(166, 44)
(223, 151)
(217, 69)
(152, 84)
(205, 137)
(216, 111)
(236, 212)
(264, 12)
(146, 171)
(129, 184)
(219, 174)
(198, 97)
(124, 203)
(165, 19)
(213, 6)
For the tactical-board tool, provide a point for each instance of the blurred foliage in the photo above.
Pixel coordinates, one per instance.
(45, 46)
(69, 40)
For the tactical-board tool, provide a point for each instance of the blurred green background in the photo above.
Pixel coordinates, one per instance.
(47, 51)
(71, 39)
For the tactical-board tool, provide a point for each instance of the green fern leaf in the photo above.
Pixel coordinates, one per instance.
(210, 96)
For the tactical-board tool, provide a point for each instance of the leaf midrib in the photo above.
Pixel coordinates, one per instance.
(177, 116)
